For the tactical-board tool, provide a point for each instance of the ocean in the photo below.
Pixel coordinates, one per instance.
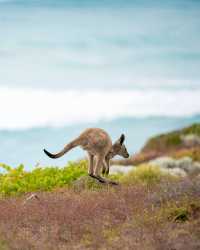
(127, 66)
(26, 146)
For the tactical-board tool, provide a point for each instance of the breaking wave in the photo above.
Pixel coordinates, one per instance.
(26, 108)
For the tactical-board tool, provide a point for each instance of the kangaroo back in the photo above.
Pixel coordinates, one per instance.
(67, 148)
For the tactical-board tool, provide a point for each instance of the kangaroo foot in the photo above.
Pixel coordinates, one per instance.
(105, 172)
(102, 180)
(109, 181)
(99, 178)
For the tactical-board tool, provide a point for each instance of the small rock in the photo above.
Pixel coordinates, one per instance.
(175, 172)
(115, 169)
(185, 165)
(86, 182)
(164, 162)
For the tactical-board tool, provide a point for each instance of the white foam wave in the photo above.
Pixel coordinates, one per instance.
(25, 108)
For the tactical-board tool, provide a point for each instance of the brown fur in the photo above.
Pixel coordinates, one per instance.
(100, 150)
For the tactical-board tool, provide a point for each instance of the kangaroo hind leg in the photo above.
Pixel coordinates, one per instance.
(98, 165)
(106, 167)
(105, 170)
(91, 164)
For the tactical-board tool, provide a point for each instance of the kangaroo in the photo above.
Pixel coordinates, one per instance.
(100, 150)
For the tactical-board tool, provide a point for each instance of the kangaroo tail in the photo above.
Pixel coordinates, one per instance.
(67, 148)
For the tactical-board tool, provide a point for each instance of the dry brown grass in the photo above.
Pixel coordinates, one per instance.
(193, 153)
(124, 217)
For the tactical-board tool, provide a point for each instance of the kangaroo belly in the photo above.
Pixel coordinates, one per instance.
(96, 141)
(96, 148)
(91, 149)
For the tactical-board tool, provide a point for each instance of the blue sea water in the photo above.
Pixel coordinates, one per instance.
(100, 44)
(127, 66)
(26, 146)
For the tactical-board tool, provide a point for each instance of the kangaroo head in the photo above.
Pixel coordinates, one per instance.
(119, 148)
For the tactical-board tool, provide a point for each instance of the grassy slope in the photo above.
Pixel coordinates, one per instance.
(170, 141)
(166, 144)
(148, 210)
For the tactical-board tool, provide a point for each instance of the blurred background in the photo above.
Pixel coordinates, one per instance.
(129, 67)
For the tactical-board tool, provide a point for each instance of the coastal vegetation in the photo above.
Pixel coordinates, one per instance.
(64, 207)
(171, 141)
(177, 144)
(16, 181)
(147, 210)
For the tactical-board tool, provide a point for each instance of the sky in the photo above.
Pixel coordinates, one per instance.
(66, 62)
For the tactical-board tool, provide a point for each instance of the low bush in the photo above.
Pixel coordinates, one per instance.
(184, 209)
(145, 174)
(16, 181)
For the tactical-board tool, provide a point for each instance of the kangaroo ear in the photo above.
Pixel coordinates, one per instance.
(121, 139)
